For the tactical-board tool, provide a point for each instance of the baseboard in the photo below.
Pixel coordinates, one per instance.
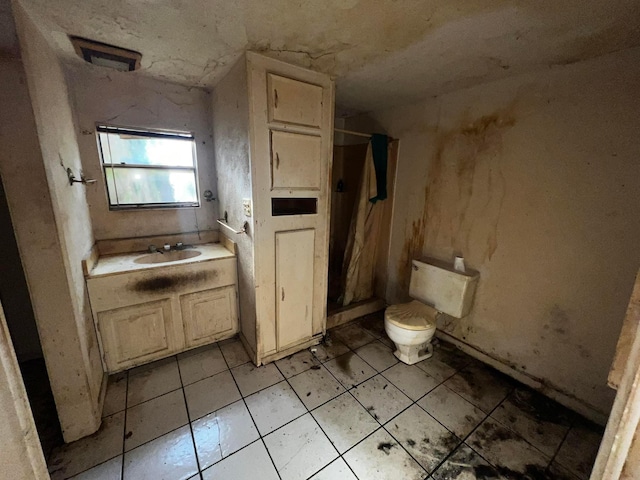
(557, 395)
(252, 353)
(291, 350)
(351, 312)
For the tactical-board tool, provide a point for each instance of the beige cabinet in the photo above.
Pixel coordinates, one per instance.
(209, 315)
(138, 333)
(279, 156)
(140, 319)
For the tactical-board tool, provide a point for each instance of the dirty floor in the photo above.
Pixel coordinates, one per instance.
(346, 411)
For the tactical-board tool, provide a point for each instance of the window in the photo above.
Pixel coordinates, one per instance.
(148, 169)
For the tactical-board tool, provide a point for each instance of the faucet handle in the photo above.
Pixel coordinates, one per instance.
(167, 247)
(179, 246)
(152, 249)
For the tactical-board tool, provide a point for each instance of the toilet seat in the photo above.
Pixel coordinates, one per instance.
(412, 316)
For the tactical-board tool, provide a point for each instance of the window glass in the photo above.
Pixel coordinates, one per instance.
(148, 169)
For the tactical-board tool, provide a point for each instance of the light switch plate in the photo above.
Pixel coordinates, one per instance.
(246, 205)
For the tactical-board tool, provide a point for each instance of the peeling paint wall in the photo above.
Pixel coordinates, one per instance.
(102, 95)
(230, 111)
(536, 181)
(53, 230)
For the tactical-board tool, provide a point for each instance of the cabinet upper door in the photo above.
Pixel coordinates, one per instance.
(292, 101)
(295, 161)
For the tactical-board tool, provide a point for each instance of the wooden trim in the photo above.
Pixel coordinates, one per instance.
(90, 260)
(351, 312)
(624, 421)
(315, 340)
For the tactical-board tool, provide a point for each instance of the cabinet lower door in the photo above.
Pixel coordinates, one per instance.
(137, 334)
(294, 286)
(209, 315)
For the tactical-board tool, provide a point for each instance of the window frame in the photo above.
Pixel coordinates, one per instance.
(148, 133)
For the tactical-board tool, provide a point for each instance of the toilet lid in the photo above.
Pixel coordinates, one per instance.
(412, 316)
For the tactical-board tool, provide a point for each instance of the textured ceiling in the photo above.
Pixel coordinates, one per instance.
(380, 52)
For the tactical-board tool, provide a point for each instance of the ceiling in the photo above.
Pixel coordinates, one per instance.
(381, 53)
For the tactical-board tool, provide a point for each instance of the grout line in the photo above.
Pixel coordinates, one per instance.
(186, 407)
(261, 438)
(124, 433)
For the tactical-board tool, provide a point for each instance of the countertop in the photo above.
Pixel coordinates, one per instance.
(125, 262)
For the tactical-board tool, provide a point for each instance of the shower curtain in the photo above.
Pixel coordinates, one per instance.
(358, 268)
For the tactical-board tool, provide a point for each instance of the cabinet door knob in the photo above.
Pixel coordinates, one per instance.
(277, 160)
(275, 98)
(282, 294)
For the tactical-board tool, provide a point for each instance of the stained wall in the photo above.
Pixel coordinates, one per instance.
(105, 96)
(535, 180)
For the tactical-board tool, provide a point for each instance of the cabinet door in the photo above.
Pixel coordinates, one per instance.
(295, 161)
(209, 315)
(292, 101)
(137, 334)
(294, 286)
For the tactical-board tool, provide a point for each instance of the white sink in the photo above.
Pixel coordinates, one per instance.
(165, 257)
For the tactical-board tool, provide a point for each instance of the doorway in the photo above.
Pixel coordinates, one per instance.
(346, 176)
(15, 299)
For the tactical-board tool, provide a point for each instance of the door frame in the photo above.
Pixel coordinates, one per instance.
(624, 420)
(21, 456)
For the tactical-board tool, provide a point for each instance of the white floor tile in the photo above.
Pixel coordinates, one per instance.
(222, 433)
(325, 353)
(422, 436)
(234, 352)
(411, 381)
(115, 399)
(437, 369)
(315, 387)
(465, 464)
(379, 457)
(169, 457)
(381, 398)
(336, 470)
(350, 369)
(453, 411)
(579, 450)
(300, 449)
(201, 363)
(111, 470)
(502, 447)
(345, 421)
(211, 394)
(352, 335)
(538, 420)
(152, 380)
(296, 363)
(252, 462)
(274, 406)
(378, 355)
(73, 458)
(252, 379)
(373, 324)
(154, 418)
(482, 386)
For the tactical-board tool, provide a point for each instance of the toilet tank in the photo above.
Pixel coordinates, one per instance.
(437, 284)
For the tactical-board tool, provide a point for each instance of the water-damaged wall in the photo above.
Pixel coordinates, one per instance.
(105, 96)
(231, 139)
(53, 228)
(536, 181)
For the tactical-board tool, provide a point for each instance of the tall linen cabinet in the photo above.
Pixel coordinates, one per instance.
(273, 140)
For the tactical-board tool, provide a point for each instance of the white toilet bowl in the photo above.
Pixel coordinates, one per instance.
(411, 327)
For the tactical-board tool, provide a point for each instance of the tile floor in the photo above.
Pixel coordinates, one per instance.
(347, 411)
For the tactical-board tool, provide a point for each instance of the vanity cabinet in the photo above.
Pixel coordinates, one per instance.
(144, 314)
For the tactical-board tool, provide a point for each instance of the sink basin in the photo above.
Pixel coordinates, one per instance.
(165, 257)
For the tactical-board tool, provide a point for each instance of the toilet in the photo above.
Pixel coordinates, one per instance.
(436, 289)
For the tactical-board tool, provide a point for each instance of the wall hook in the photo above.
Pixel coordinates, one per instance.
(73, 179)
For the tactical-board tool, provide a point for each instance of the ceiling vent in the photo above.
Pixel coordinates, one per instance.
(105, 55)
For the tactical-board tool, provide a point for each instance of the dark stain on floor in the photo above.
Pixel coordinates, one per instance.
(343, 362)
(386, 447)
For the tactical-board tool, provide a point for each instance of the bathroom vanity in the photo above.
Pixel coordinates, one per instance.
(148, 306)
